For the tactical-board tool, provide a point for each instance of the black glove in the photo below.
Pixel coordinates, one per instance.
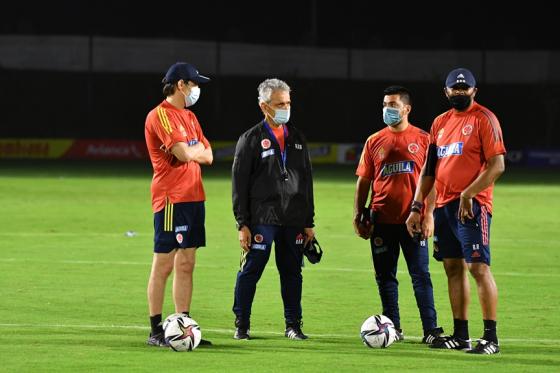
(313, 251)
(417, 237)
(367, 216)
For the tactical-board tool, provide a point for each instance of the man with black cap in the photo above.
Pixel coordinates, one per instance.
(465, 158)
(177, 148)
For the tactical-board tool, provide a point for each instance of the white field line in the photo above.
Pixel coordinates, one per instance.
(317, 268)
(254, 331)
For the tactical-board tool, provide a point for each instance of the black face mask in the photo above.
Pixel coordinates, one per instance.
(460, 102)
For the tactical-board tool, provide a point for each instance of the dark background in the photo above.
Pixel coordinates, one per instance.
(46, 104)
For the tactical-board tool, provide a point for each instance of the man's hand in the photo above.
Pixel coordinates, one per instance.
(309, 233)
(427, 226)
(362, 228)
(414, 223)
(245, 238)
(465, 208)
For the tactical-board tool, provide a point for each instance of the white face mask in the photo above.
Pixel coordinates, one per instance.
(192, 97)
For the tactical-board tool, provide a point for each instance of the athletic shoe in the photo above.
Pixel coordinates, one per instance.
(157, 339)
(432, 335)
(399, 335)
(485, 347)
(241, 329)
(450, 342)
(293, 331)
(241, 333)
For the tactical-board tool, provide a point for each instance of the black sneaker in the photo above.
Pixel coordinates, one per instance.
(399, 335)
(157, 339)
(450, 342)
(241, 333)
(432, 335)
(293, 331)
(485, 347)
(241, 329)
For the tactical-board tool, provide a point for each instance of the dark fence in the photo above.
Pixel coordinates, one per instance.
(113, 106)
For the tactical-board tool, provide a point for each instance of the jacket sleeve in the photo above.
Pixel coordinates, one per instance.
(310, 214)
(240, 180)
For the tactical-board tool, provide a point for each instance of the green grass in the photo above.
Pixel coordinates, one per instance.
(73, 286)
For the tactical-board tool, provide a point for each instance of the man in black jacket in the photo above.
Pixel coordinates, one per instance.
(272, 190)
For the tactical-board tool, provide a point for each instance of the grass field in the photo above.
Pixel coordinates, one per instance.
(73, 286)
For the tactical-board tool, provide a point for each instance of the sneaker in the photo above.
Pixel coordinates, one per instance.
(241, 333)
(241, 329)
(485, 347)
(450, 342)
(432, 335)
(293, 331)
(399, 335)
(157, 339)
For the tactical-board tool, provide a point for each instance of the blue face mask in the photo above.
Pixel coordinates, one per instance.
(192, 97)
(391, 116)
(281, 116)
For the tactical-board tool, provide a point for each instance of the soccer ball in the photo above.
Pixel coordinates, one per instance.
(378, 331)
(181, 332)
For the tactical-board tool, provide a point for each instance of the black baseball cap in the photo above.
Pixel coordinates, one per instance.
(185, 71)
(460, 76)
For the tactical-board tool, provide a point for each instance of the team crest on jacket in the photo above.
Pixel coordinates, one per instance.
(179, 237)
(299, 239)
(259, 238)
(378, 241)
(413, 148)
(265, 143)
(467, 129)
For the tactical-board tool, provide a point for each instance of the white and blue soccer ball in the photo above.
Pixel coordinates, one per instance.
(181, 332)
(378, 331)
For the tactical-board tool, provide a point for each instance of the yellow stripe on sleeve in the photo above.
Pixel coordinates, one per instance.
(164, 120)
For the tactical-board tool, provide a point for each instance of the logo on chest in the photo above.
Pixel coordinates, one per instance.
(413, 148)
(455, 148)
(265, 143)
(403, 167)
(467, 129)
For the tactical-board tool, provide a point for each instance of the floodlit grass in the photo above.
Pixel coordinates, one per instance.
(73, 286)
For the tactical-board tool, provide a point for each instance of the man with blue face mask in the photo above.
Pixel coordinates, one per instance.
(272, 203)
(390, 165)
(177, 147)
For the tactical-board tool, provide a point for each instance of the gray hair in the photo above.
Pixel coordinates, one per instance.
(270, 85)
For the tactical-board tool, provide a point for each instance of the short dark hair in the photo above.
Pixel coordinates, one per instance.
(399, 90)
(169, 89)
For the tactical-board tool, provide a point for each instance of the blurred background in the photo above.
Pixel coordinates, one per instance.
(78, 78)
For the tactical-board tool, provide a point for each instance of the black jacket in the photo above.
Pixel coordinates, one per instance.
(263, 192)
